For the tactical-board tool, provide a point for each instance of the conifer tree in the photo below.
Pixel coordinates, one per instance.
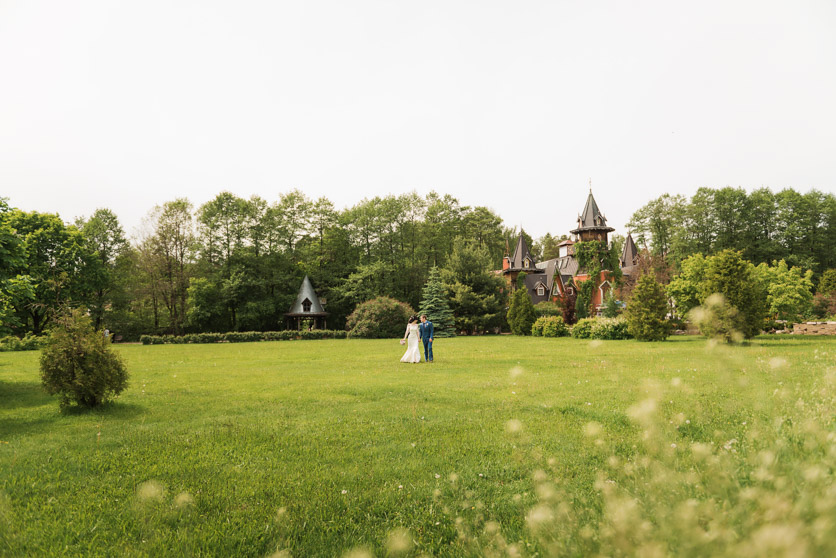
(434, 304)
(521, 313)
(646, 310)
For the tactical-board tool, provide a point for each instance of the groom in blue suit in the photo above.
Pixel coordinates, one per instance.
(426, 331)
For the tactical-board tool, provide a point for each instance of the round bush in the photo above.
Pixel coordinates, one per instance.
(77, 363)
(583, 329)
(537, 327)
(379, 318)
(610, 328)
(554, 326)
(717, 319)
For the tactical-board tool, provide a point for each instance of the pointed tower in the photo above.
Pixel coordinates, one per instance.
(629, 256)
(522, 260)
(592, 225)
(307, 306)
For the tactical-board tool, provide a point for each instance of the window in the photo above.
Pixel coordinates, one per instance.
(306, 305)
(527, 263)
(541, 291)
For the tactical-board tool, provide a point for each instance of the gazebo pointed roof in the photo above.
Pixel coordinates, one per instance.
(591, 218)
(306, 292)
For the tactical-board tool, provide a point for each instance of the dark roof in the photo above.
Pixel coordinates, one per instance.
(591, 218)
(630, 253)
(531, 282)
(548, 267)
(567, 265)
(521, 252)
(306, 291)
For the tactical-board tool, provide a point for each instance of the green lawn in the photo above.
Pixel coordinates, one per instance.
(321, 447)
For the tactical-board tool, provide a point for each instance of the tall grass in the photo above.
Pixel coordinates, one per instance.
(503, 446)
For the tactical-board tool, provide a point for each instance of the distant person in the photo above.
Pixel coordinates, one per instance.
(427, 337)
(413, 351)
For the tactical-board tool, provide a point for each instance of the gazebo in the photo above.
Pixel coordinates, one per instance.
(307, 306)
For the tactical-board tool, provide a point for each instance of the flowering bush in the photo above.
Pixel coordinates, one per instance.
(601, 328)
(583, 329)
(550, 326)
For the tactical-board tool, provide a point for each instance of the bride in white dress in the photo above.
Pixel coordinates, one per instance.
(413, 352)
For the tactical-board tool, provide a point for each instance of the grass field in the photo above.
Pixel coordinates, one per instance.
(503, 446)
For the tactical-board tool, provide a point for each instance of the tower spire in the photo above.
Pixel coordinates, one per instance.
(590, 184)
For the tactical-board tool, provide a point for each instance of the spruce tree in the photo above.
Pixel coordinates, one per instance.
(646, 310)
(434, 304)
(521, 313)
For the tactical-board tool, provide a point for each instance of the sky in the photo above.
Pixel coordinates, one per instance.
(511, 105)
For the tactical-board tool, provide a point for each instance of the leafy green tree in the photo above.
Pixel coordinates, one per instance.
(105, 238)
(827, 282)
(521, 314)
(684, 289)
(475, 292)
(728, 274)
(657, 221)
(434, 304)
(789, 290)
(646, 310)
(78, 364)
(57, 262)
(16, 290)
(167, 256)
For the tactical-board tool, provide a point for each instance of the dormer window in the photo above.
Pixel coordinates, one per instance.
(541, 291)
(306, 305)
(527, 263)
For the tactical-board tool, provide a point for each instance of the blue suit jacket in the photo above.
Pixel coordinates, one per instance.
(426, 331)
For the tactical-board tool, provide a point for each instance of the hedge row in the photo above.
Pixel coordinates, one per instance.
(241, 336)
(28, 343)
(601, 328)
(549, 326)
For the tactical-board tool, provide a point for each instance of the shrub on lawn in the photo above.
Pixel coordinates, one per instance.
(28, 342)
(78, 364)
(379, 318)
(601, 328)
(645, 313)
(550, 326)
(583, 329)
(521, 314)
(610, 328)
(717, 319)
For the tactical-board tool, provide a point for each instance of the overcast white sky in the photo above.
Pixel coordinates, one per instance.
(513, 105)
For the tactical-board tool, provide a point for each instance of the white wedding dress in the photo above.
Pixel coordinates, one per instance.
(413, 352)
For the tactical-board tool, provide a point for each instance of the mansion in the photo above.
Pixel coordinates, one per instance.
(558, 277)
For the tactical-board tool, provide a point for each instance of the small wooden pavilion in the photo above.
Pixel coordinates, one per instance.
(307, 307)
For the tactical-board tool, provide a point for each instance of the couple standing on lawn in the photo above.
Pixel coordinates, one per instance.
(414, 332)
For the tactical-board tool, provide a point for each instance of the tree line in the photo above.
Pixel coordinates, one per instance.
(763, 225)
(235, 264)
